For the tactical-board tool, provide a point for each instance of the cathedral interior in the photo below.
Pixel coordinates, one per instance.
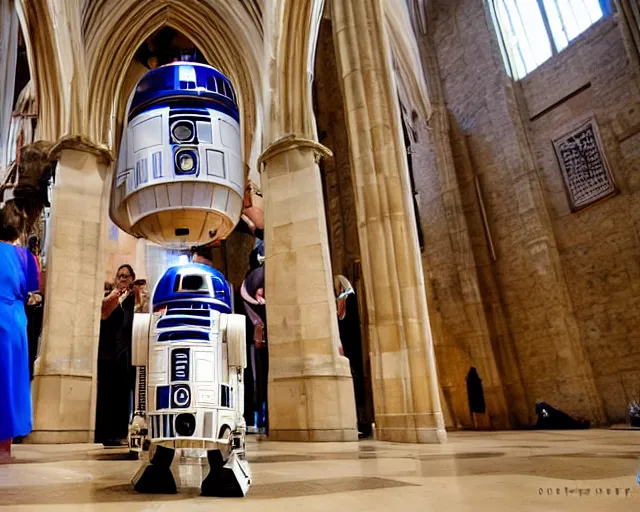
(470, 167)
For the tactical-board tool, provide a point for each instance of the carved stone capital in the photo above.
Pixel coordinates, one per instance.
(289, 142)
(84, 144)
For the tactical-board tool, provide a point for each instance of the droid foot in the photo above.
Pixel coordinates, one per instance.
(155, 476)
(230, 480)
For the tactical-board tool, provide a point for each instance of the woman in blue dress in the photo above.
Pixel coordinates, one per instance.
(18, 277)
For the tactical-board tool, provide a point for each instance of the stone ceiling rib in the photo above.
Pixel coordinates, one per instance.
(404, 48)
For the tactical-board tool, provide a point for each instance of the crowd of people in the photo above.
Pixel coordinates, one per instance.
(21, 301)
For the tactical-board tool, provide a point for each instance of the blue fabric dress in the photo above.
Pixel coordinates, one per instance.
(18, 276)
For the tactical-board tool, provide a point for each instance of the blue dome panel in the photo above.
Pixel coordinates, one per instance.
(193, 282)
(184, 80)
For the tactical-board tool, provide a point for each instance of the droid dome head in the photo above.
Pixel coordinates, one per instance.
(192, 286)
(180, 176)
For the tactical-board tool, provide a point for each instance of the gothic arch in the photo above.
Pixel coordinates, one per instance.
(37, 30)
(111, 44)
(293, 27)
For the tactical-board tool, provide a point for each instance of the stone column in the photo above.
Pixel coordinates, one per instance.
(310, 387)
(64, 386)
(405, 383)
(496, 361)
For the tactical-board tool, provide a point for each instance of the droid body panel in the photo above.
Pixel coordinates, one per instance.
(190, 355)
(180, 178)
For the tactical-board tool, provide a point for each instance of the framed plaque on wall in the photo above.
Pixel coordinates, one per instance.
(586, 174)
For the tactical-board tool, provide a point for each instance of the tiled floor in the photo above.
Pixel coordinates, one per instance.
(501, 471)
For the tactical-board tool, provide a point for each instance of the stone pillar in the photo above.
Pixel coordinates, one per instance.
(64, 387)
(405, 382)
(495, 361)
(310, 388)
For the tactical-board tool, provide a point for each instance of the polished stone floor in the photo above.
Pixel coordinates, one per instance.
(592, 470)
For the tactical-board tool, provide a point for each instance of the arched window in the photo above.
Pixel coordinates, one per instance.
(534, 30)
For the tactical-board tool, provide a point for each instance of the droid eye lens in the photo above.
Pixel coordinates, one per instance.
(185, 162)
(182, 132)
(185, 425)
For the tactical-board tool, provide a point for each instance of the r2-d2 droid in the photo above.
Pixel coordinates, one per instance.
(179, 183)
(190, 355)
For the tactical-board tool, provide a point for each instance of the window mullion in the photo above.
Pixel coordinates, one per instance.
(584, 4)
(526, 34)
(517, 46)
(547, 26)
(507, 47)
(562, 23)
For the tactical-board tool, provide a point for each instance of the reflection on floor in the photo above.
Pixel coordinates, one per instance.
(591, 470)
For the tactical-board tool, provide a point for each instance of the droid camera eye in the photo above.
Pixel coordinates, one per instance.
(186, 162)
(182, 131)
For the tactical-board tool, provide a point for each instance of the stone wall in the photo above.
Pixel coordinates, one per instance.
(599, 246)
(563, 286)
(457, 298)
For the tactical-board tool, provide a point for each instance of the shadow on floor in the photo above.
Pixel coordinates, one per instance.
(79, 494)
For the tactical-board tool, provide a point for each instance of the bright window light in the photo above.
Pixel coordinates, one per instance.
(534, 30)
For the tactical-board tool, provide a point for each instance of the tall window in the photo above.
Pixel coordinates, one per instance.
(534, 30)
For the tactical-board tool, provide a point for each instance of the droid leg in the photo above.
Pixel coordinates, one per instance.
(155, 476)
(230, 479)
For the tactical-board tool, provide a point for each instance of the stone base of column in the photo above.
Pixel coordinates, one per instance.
(416, 435)
(312, 408)
(313, 436)
(61, 437)
(411, 428)
(63, 412)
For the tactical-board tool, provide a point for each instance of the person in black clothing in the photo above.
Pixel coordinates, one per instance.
(253, 295)
(475, 392)
(116, 376)
(35, 312)
(351, 344)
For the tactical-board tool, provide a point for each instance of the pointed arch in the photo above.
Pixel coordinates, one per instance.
(292, 28)
(37, 29)
(112, 41)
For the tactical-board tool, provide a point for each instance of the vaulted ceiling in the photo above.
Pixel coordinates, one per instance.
(266, 47)
(252, 10)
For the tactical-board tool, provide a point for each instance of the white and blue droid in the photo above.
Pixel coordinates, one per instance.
(180, 178)
(190, 355)
(179, 183)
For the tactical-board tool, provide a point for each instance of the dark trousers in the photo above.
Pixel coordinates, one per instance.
(262, 377)
(34, 328)
(357, 374)
(352, 346)
(113, 400)
(250, 388)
